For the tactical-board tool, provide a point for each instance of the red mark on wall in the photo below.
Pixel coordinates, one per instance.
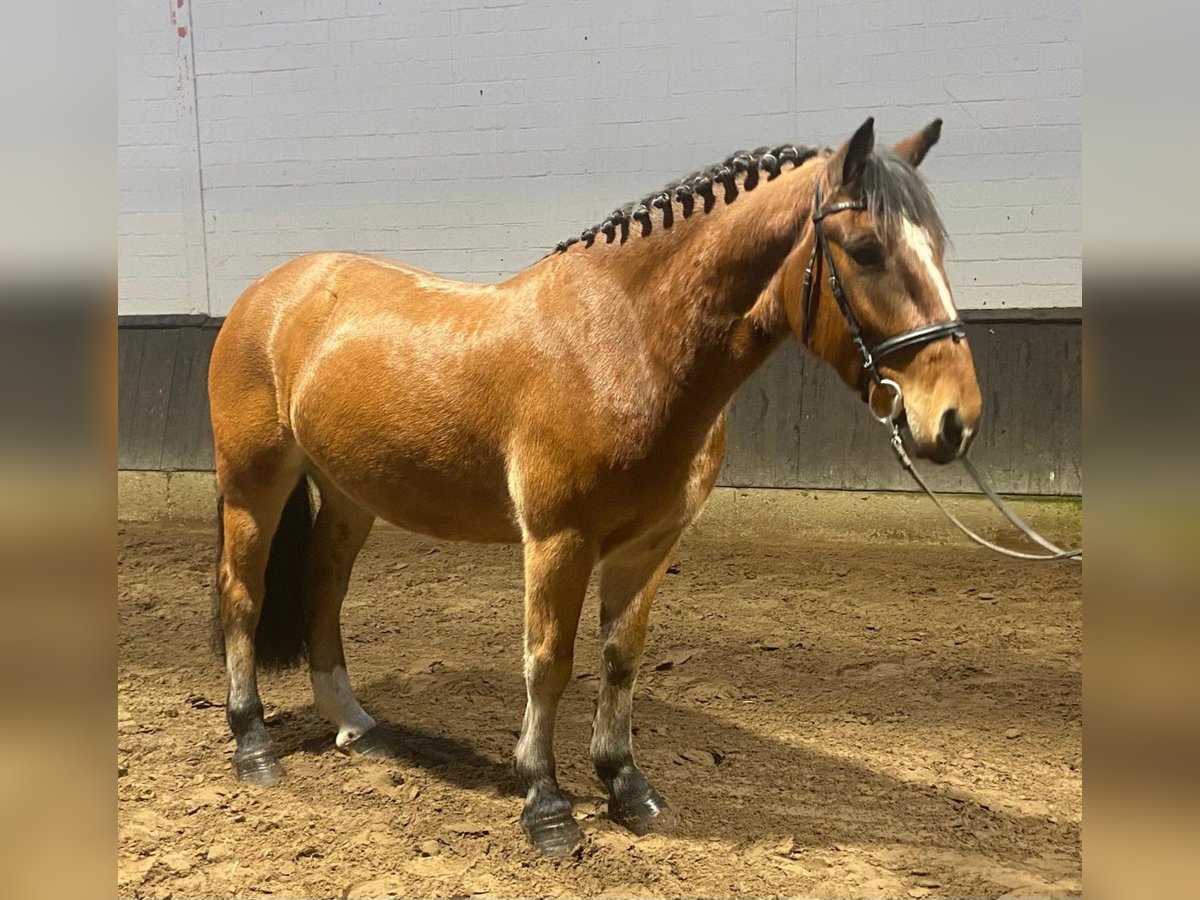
(182, 31)
(179, 4)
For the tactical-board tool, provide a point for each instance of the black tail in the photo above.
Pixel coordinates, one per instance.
(281, 640)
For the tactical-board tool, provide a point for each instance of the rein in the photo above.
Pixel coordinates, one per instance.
(871, 381)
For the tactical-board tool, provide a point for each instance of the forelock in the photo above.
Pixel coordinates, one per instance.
(895, 191)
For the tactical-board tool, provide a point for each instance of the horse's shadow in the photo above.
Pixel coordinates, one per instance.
(763, 788)
(444, 756)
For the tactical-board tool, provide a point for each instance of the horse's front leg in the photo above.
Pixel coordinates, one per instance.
(628, 582)
(556, 576)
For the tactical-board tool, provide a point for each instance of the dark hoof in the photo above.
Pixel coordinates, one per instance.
(372, 744)
(557, 834)
(643, 814)
(260, 768)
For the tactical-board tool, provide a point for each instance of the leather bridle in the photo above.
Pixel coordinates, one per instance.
(871, 378)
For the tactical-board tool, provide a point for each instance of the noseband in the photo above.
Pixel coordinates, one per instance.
(871, 378)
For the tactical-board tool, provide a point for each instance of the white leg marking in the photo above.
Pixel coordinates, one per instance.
(531, 746)
(335, 700)
(918, 241)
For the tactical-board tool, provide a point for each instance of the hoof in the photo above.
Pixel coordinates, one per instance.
(553, 835)
(260, 768)
(643, 814)
(372, 744)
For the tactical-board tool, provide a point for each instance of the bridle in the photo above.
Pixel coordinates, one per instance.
(871, 380)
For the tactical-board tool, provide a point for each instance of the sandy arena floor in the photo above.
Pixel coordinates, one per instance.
(829, 718)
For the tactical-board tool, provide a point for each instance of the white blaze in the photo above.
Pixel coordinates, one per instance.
(918, 241)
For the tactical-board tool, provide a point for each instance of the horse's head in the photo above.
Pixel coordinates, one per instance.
(876, 238)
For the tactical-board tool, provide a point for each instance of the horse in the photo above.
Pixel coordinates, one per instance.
(577, 408)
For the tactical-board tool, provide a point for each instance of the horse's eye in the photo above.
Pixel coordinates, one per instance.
(869, 256)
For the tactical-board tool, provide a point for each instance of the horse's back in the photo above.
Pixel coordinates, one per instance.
(289, 317)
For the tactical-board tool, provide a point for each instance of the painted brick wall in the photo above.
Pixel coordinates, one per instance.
(468, 137)
(161, 264)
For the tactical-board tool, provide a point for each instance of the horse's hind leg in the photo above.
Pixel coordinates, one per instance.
(628, 582)
(340, 530)
(251, 510)
(557, 570)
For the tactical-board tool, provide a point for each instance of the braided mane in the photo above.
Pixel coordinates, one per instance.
(744, 165)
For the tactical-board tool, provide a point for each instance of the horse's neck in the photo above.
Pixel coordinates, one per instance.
(713, 266)
(704, 302)
(743, 276)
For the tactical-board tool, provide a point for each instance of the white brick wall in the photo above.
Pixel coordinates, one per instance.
(161, 263)
(468, 137)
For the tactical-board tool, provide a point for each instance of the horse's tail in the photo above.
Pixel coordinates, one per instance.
(281, 639)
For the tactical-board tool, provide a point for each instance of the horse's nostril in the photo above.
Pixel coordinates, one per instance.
(951, 434)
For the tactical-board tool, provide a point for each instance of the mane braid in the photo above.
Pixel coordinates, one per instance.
(718, 180)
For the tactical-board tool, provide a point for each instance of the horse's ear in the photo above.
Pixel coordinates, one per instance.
(915, 147)
(851, 158)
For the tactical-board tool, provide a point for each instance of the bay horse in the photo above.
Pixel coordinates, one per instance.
(577, 408)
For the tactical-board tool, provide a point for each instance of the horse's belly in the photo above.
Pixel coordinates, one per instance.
(394, 434)
(436, 478)
(447, 508)
(466, 506)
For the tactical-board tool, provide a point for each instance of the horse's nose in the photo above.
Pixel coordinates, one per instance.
(953, 430)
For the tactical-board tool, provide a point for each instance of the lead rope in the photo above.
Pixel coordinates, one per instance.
(1055, 551)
